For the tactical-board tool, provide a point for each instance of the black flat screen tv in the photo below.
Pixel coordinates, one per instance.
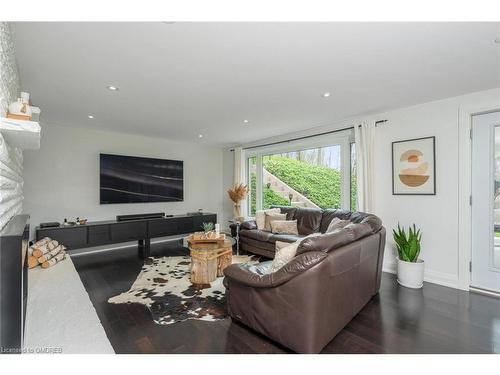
(129, 179)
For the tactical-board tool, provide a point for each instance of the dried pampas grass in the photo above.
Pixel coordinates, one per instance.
(238, 192)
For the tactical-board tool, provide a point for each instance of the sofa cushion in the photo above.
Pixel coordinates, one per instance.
(330, 214)
(256, 234)
(283, 238)
(338, 238)
(284, 227)
(308, 220)
(337, 223)
(272, 217)
(288, 210)
(355, 217)
(260, 217)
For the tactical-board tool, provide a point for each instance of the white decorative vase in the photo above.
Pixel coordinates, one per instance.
(411, 275)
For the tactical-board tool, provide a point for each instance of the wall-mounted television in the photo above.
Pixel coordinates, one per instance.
(129, 179)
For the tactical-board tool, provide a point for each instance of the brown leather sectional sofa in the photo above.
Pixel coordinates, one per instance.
(307, 302)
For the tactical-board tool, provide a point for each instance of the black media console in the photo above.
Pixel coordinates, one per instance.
(113, 231)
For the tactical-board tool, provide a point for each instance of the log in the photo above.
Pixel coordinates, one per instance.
(32, 261)
(35, 248)
(225, 259)
(54, 260)
(45, 248)
(203, 268)
(51, 254)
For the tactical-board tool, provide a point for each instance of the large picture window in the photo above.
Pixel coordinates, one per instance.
(317, 173)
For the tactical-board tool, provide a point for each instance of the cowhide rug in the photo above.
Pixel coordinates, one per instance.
(164, 286)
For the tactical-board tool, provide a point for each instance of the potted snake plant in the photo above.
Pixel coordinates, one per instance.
(410, 267)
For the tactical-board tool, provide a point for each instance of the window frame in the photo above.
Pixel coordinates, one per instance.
(343, 138)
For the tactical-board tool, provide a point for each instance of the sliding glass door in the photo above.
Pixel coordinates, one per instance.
(318, 173)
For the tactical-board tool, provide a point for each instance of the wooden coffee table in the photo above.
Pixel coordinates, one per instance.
(208, 260)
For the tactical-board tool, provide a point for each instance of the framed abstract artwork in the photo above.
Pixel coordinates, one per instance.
(414, 167)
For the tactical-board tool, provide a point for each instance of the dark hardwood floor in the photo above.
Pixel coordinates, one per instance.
(434, 319)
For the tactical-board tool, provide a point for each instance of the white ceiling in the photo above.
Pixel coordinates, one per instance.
(178, 80)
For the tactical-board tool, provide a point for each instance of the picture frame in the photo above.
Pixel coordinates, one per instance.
(414, 166)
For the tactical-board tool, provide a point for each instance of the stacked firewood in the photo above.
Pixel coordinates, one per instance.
(46, 253)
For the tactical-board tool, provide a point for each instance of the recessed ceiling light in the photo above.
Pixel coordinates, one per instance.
(326, 95)
(90, 117)
(246, 121)
(200, 135)
(112, 88)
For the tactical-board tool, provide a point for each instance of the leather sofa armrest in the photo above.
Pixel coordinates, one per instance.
(249, 224)
(243, 274)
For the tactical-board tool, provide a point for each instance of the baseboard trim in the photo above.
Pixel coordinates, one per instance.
(485, 292)
(430, 276)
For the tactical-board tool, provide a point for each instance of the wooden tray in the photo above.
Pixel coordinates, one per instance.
(198, 238)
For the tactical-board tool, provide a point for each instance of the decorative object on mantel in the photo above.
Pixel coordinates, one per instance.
(410, 267)
(81, 221)
(164, 286)
(20, 109)
(414, 167)
(237, 193)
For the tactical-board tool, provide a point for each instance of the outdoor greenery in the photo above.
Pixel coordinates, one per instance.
(270, 197)
(318, 183)
(408, 246)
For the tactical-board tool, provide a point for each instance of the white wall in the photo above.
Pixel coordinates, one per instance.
(62, 178)
(11, 158)
(436, 215)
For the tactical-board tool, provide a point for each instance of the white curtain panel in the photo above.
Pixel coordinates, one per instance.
(364, 135)
(239, 174)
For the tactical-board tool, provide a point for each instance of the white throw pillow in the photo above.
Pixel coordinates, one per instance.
(260, 216)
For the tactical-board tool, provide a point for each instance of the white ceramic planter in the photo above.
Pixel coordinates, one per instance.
(411, 275)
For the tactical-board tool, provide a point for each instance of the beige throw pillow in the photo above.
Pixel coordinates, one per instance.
(284, 227)
(285, 252)
(260, 216)
(336, 223)
(284, 255)
(272, 217)
(278, 245)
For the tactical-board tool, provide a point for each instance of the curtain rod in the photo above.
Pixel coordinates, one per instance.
(307, 136)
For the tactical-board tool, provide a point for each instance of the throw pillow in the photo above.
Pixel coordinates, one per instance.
(278, 245)
(336, 223)
(284, 227)
(272, 217)
(260, 216)
(285, 252)
(284, 255)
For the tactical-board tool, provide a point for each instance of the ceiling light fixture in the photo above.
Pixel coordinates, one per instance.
(200, 135)
(326, 95)
(90, 117)
(246, 121)
(112, 88)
